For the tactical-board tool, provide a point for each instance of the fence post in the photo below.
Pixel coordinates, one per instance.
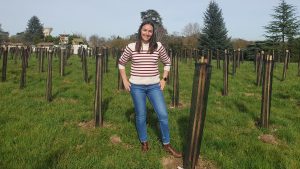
(218, 59)
(98, 90)
(259, 69)
(299, 65)
(170, 79)
(225, 74)
(175, 94)
(267, 91)
(84, 65)
(23, 72)
(238, 57)
(49, 77)
(234, 63)
(285, 65)
(197, 113)
(62, 61)
(4, 63)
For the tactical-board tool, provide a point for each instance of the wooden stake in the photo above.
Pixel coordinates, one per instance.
(197, 113)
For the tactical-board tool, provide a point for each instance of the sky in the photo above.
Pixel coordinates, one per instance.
(243, 19)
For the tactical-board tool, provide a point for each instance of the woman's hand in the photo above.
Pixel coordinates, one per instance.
(126, 85)
(162, 84)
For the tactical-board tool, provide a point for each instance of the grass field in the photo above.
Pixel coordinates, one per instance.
(35, 134)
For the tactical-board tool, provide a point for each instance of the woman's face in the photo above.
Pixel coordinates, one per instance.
(146, 33)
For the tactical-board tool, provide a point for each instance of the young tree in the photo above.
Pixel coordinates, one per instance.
(34, 31)
(285, 25)
(214, 33)
(152, 15)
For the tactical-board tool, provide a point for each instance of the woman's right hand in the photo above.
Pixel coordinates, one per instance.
(126, 85)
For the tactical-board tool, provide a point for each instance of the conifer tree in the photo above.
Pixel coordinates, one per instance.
(284, 25)
(34, 31)
(214, 32)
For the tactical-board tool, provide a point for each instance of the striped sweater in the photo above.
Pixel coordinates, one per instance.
(144, 65)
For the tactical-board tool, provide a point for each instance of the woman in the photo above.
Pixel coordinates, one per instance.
(145, 82)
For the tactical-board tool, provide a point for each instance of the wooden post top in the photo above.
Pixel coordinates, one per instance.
(269, 57)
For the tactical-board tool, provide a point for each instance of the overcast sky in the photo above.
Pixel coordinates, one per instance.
(243, 18)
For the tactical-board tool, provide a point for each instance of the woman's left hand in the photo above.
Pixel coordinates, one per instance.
(162, 84)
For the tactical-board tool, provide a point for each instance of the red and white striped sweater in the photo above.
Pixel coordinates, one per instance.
(144, 65)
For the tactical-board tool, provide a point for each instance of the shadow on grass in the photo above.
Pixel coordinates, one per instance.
(67, 73)
(90, 78)
(61, 90)
(277, 77)
(151, 120)
(242, 107)
(105, 103)
(170, 92)
(183, 124)
(52, 159)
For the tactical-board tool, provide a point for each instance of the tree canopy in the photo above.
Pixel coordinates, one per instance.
(34, 31)
(214, 32)
(153, 16)
(284, 25)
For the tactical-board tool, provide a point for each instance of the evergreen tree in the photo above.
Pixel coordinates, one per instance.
(285, 25)
(34, 31)
(214, 33)
(152, 15)
(3, 35)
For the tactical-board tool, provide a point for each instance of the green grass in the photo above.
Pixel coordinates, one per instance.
(38, 134)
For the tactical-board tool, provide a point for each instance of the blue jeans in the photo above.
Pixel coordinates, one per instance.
(156, 98)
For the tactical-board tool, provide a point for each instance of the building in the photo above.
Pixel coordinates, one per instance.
(77, 43)
(47, 31)
(3, 36)
(63, 39)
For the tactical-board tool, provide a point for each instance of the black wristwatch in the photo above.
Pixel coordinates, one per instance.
(165, 78)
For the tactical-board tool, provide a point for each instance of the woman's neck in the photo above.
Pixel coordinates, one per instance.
(145, 42)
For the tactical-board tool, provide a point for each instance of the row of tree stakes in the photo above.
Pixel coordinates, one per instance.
(264, 65)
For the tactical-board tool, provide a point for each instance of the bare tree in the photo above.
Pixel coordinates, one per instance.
(191, 29)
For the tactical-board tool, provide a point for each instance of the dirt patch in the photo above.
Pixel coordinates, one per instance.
(66, 81)
(63, 100)
(249, 94)
(91, 125)
(177, 163)
(268, 138)
(180, 105)
(87, 124)
(114, 139)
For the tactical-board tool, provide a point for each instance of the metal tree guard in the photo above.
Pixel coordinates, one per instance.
(197, 114)
(267, 91)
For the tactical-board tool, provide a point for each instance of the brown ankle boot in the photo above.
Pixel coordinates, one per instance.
(172, 151)
(145, 146)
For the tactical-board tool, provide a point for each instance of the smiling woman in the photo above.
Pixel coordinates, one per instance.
(145, 82)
